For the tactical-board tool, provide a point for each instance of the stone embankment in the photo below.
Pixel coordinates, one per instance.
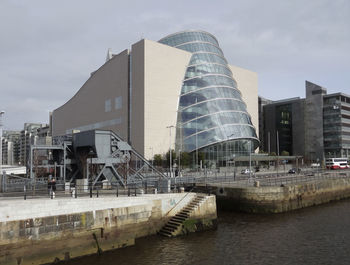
(278, 199)
(41, 231)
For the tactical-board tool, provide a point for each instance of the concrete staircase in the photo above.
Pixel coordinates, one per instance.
(174, 226)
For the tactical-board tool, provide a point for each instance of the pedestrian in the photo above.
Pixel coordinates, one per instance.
(49, 186)
(53, 185)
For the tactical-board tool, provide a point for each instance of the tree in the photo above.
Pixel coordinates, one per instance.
(157, 160)
(185, 159)
(167, 158)
(285, 153)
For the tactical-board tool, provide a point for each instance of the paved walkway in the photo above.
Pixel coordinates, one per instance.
(19, 209)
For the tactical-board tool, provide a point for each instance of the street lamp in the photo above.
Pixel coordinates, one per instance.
(1, 114)
(227, 152)
(91, 155)
(151, 148)
(250, 158)
(171, 126)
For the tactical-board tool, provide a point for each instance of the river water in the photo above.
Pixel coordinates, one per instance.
(316, 235)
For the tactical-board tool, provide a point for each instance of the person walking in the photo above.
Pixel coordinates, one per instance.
(53, 186)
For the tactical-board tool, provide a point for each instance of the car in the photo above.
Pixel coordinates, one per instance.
(292, 171)
(247, 171)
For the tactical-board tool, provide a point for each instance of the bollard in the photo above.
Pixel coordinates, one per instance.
(117, 192)
(25, 192)
(91, 192)
(135, 191)
(97, 192)
(76, 192)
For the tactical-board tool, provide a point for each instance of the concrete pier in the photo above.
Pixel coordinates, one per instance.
(278, 199)
(40, 231)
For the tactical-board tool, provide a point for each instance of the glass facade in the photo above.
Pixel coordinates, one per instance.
(284, 128)
(212, 117)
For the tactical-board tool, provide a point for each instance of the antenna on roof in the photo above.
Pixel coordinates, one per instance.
(109, 54)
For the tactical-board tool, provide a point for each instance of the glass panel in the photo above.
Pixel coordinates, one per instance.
(207, 68)
(209, 107)
(209, 80)
(183, 37)
(218, 134)
(200, 47)
(207, 94)
(199, 58)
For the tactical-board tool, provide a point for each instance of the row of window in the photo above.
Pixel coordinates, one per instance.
(183, 37)
(200, 47)
(215, 135)
(198, 58)
(202, 69)
(209, 107)
(214, 120)
(205, 81)
(208, 93)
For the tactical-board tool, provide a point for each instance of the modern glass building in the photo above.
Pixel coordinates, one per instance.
(212, 117)
(182, 81)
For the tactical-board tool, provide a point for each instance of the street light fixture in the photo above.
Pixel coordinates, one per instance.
(170, 168)
(227, 152)
(91, 154)
(152, 158)
(1, 114)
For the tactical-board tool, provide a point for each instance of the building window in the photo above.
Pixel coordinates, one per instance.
(108, 105)
(118, 103)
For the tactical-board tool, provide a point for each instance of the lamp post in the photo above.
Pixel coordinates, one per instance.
(227, 153)
(278, 151)
(250, 159)
(91, 155)
(151, 148)
(1, 114)
(170, 169)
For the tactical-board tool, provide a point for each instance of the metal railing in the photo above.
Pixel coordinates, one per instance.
(43, 189)
(263, 179)
(28, 189)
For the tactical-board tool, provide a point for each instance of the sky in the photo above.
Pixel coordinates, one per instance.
(49, 48)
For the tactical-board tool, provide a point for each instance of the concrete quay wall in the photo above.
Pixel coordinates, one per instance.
(280, 199)
(41, 231)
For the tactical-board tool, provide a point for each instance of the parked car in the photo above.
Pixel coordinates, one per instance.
(247, 171)
(292, 171)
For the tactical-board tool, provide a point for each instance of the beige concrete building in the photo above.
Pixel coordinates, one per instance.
(183, 82)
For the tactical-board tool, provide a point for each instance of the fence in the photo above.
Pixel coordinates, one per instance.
(27, 189)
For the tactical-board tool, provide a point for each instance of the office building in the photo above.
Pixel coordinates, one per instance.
(315, 127)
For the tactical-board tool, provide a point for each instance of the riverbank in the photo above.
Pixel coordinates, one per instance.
(40, 231)
(314, 235)
(278, 199)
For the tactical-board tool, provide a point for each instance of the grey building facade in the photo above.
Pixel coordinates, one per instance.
(316, 127)
(32, 133)
(11, 147)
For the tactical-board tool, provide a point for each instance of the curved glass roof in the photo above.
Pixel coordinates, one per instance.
(211, 109)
